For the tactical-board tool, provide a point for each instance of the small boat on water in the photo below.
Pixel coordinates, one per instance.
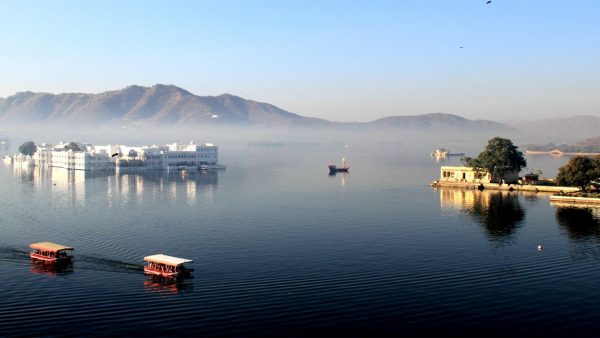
(50, 252)
(443, 153)
(167, 266)
(334, 169)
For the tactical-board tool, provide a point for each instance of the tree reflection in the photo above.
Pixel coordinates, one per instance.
(501, 215)
(579, 223)
(499, 212)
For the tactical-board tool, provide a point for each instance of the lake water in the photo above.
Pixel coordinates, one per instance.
(283, 249)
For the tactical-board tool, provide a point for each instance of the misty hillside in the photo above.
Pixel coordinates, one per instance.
(156, 104)
(438, 121)
(562, 130)
(168, 104)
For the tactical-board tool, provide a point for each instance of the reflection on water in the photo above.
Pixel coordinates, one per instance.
(579, 223)
(76, 187)
(168, 286)
(343, 176)
(499, 212)
(51, 269)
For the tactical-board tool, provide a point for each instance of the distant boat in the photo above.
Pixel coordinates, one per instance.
(443, 153)
(334, 169)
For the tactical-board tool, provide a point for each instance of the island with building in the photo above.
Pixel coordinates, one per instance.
(88, 157)
(498, 168)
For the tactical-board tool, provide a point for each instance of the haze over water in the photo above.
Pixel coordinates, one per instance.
(282, 249)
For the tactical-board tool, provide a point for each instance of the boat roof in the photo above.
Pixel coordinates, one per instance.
(48, 246)
(169, 260)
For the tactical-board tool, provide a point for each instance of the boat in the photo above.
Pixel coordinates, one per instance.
(439, 153)
(442, 153)
(334, 169)
(50, 252)
(167, 266)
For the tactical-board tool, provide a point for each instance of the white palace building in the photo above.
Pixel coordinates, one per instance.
(176, 156)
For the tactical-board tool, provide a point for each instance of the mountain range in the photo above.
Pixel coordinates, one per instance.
(168, 104)
(156, 104)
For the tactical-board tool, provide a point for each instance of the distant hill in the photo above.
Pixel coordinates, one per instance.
(567, 129)
(156, 104)
(168, 104)
(438, 121)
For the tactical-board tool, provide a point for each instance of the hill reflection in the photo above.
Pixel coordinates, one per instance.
(500, 213)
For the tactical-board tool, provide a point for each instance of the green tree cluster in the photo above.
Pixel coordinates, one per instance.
(579, 172)
(500, 156)
(28, 148)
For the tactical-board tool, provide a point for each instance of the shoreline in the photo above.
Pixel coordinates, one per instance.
(503, 187)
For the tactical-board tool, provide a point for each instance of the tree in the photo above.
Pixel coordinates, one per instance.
(579, 171)
(500, 156)
(28, 148)
(72, 146)
(132, 153)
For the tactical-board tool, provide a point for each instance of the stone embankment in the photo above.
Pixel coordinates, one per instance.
(505, 186)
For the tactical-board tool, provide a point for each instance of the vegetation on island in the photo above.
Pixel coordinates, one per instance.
(500, 156)
(28, 148)
(580, 171)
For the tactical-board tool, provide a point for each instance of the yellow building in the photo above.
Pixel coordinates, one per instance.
(468, 174)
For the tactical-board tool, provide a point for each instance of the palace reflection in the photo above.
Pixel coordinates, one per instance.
(78, 187)
(499, 212)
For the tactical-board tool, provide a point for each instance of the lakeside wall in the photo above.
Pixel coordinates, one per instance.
(504, 187)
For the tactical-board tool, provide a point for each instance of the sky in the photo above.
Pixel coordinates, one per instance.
(339, 60)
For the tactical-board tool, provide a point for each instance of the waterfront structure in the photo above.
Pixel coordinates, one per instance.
(469, 174)
(175, 156)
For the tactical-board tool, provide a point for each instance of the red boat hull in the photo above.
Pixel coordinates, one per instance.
(43, 258)
(151, 271)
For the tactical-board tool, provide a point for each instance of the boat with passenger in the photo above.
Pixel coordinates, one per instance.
(334, 169)
(51, 252)
(167, 266)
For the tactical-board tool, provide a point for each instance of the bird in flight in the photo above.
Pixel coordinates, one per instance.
(488, 2)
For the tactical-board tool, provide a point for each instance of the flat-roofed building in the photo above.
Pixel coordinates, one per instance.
(469, 174)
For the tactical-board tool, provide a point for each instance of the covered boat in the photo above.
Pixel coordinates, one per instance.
(167, 266)
(50, 252)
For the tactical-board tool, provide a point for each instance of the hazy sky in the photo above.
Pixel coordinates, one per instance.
(341, 60)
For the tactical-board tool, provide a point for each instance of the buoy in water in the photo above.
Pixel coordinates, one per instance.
(539, 247)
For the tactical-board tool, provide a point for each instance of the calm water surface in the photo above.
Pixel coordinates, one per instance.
(283, 249)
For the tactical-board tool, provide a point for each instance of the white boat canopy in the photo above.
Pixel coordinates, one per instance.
(47, 246)
(168, 260)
